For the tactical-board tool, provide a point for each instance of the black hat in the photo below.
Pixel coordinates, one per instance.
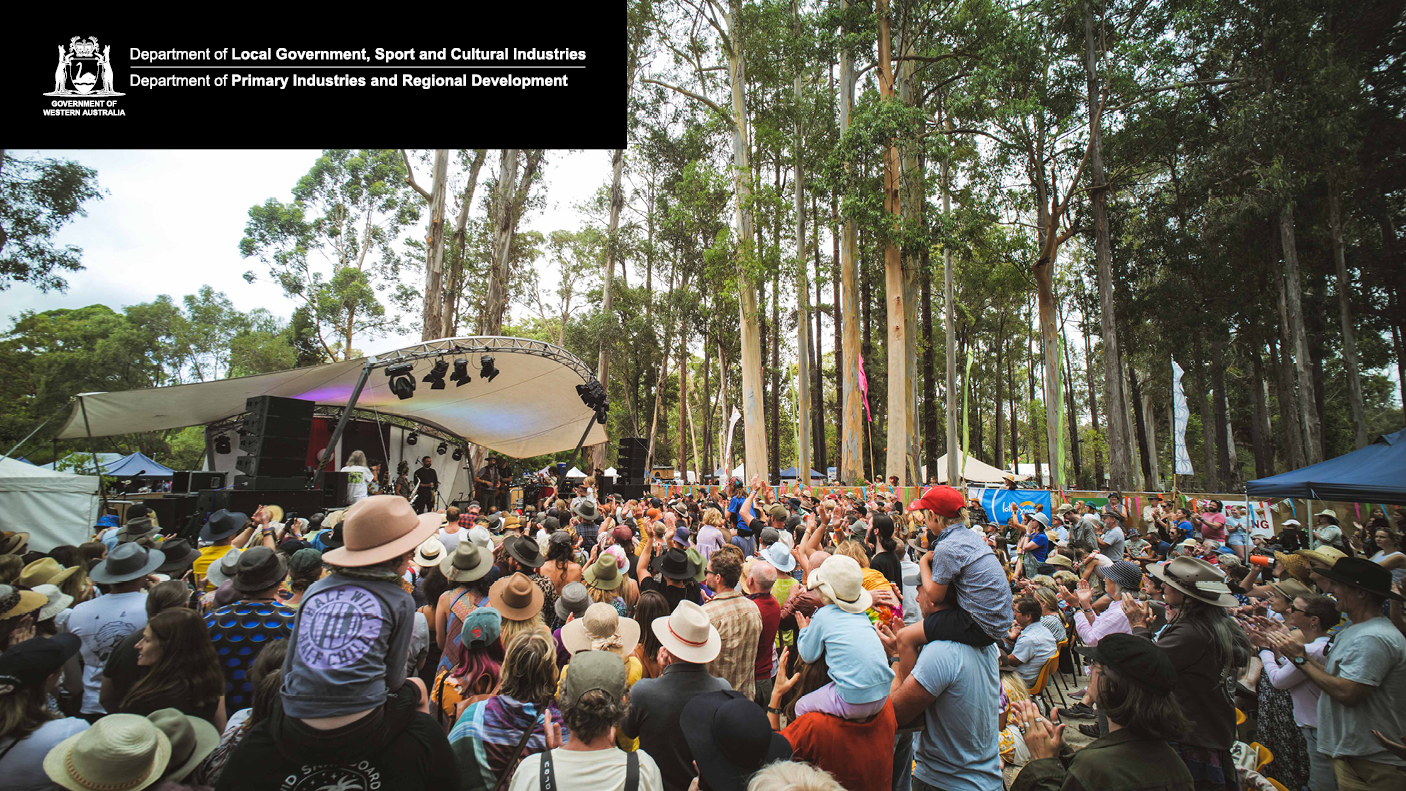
(126, 562)
(731, 739)
(674, 564)
(31, 662)
(259, 569)
(1136, 659)
(179, 556)
(525, 551)
(223, 524)
(1362, 573)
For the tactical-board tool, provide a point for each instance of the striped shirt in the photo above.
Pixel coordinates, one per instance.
(739, 623)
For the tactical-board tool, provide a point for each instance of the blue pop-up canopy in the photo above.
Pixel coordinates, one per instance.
(1376, 474)
(792, 472)
(137, 465)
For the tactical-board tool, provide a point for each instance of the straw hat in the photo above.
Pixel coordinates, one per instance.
(1063, 561)
(191, 738)
(381, 528)
(1296, 565)
(39, 572)
(1196, 578)
(14, 603)
(601, 629)
(120, 751)
(1323, 556)
(334, 518)
(688, 634)
(841, 580)
(12, 543)
(517, 597)
(274, 513)
(1290, 589)
(429, 553)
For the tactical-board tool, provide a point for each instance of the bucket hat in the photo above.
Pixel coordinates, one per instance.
(1363, 574)
(601, 629)
(840, 579)
(730, 739)
(779, 555)
(222, 524)
(573, 601)
(525, 551)
(58, 601)
(380, 528)
(191, 738)
(517, 597)
(688, 634)
(15, 602)
(180, 555)
(429, 553)
(675, 565)
(1196, 578)
(39, 572)
(127, 562)
(258, 569)
(305, 560)
(222, 570)
(604, 573)
(1125, 574)
(468, 562)
(125, 751)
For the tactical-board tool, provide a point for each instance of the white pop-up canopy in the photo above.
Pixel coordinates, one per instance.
(530, 408)
(975, 470)
(53, 507)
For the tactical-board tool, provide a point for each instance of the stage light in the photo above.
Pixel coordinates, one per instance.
(486, 369)
(436, 375)
(412, 438)
(602, 412)
(442, 449)
(458, 454)
(222, 444)
(592, 394)
(461, 372)
(402, 378)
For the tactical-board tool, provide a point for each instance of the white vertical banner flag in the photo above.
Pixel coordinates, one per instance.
(1180, 415)
(727, 447)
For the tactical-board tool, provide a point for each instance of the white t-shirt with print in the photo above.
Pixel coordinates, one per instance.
(360, 478)
(598, 770)
(101, 624)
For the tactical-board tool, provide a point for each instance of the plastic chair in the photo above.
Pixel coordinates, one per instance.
(1265, 756)
(1040, 689)
(1239, 717)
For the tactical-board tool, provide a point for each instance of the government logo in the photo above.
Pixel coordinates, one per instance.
(84, 70)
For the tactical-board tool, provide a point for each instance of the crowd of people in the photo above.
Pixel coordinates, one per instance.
(754, 638)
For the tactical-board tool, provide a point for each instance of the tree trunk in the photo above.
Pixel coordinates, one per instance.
(949, 307)
(1354, 380)
(803, 379)
(1093, 398)
(847, 356)
(841, 404)
(1227, 470)
(449, 319)
(817, 397)
(1395, 319)
(866, 357)
(617, 202)
(512, 194)
(1034, 429)
(1260, 430)
(930, 377)
(1149, 419)
(431, 321)
(1208, 421)
(1146, 451)
(913, 201)
(1000, 390)
(1293, 294)
(1049, 344)
(683, 400)
(896, 310)
(1071, 409)
(775, 435)
(1015, 415)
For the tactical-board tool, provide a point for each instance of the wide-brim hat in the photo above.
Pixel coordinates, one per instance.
(730, 739)
(15, 602)
(1063, 561)
(125, 751)
(222, 570)
(259, 569)
(12, 542)
(779, 555)
(222, 524)
(586, 509)
(525, 551)
(381, 528)
(179, 555)
(430, 553)
(274, 513)
(141, 527)
(1196, 578)
(1291, 589)
(688, 634)
(39, 572)
(468, 562)
(1363, 574)
(57, 601)
(604, 573)
(601, 629)
(1323, 555)
(841, 580)
(674, 564)
(517, 597)
(1329, 513)
(127, 562)
(191, 738)
(574, 599)
(696, 558)
(1125, 574)
(1297, 567)
(334, 518)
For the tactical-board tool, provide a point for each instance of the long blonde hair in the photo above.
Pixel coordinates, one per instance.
(512, 629)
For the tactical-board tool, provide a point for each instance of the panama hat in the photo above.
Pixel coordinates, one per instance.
(127, 562)
(1329, 513)
(381, 528)
(1063, 561)
(222, 524)
(58, 601)
(1196, 578)
(191, 738)
(429, 553)
(14, 603)
(601, 629)
(604, 573)
(468, 562)
(517, 597)
(39, 572)
(688, 634)
(119, 751)
(1323, 555)
(223, 569)
(841, 580)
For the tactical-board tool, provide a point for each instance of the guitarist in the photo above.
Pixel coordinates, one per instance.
(487, 484)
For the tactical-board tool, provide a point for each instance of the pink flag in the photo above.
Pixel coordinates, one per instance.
(864, 388)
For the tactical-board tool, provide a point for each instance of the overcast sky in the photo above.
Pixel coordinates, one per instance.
(172, 221)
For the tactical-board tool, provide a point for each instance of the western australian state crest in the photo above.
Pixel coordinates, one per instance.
(84, 69)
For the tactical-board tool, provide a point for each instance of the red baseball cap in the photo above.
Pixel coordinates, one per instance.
(943, 500)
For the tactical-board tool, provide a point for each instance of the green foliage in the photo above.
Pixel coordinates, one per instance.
(37, 198)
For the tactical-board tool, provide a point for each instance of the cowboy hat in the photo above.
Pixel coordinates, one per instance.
(381, 528)
(468, 562)
(1323, 555)
(517, 597)
(1329, 513)
(1196, 578)
(731, 739)
(604, 573)
(12, 543)
(586, 509)
(179, 556)
(1363, 574)
(39, 572)
(125, 751)
(14, 603)
(1056, 559)
(191, 738)
(222, 524)
(696, 558)
(840, 579)
(141, 527)
(127, 562)
(688, 634)
(601, 629)
(779, 555)
(674, 564)
(429, 553)
(222, 570)
(525, 551)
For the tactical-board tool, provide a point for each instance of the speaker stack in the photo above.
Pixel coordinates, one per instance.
(183, 481)
(275, 435)
(629, 468)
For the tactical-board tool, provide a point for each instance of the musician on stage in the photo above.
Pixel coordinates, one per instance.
(426, 484)
(486, 484)
(505, 484)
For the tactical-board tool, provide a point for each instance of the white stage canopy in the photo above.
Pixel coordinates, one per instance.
(530, 408)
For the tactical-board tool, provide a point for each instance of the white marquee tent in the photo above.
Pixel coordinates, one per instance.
(975, 470)
(53, 507)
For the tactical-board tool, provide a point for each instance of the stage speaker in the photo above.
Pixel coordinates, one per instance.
(171, 510)
(631, 491)
(630, 466)
(195, 480)
(275, 433)
(335, 487)
(269, 483)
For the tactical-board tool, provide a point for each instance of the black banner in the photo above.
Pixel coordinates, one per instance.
(555, 80)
